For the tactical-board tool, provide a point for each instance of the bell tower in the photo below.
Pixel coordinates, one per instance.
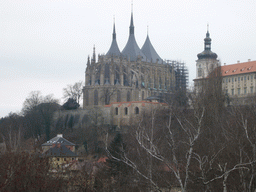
(207, 60)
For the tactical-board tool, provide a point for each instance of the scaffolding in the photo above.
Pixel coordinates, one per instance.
(181, 75)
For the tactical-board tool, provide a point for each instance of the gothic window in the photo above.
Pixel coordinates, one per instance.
(117, 72)
(142, 82)
(118, 99)
(107, 74)
(126, 111)
(137, 111)
(128, 96)
(126, 83)
(116, 111)
(95, 97)
(86, 97)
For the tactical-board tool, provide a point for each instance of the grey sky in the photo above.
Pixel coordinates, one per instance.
(44, 44)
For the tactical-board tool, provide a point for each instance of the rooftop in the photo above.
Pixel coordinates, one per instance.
(239, 68)
(59, 151)
(58, 140)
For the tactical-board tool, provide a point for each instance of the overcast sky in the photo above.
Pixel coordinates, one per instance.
(44, 44)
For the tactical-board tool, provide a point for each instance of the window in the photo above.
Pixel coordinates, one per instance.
(245, 90)
(235, 79)
(232, 91)
(86, 98)
(238, 91)
(58, 159)
(244, 78)
(126, 111)
(251, 77)
(64, 159)
(128, 96)
(226, 80)
(116, 111)
(95, 97)
(238, 79)
(118, 99)
(137, 110)
(199, 72)
(251, 89)
(241, 78)
(232, 79)
(226, 91)
(142, 95)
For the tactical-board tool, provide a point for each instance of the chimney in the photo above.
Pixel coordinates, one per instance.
(249, 60)
(238, 61)
(59, 135)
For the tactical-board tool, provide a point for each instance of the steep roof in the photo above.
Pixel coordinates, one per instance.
(60, 151)
(239, 68)
(150, 52)
(114, 50)
(131, 50)
(58, 140)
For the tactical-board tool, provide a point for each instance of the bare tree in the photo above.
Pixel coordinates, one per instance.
(107, 94)
(74, 91)
(38, 113)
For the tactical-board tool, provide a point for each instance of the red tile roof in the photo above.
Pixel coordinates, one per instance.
(239, 68)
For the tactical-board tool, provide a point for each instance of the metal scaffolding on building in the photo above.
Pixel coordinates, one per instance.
(181, 75)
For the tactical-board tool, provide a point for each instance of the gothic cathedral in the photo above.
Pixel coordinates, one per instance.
(131, 75)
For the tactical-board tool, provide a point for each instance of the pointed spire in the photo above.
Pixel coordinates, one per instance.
(114, 30)
(88, 61)
(131, 24)
(114, 50)
(93, 56)
(149, 51)
(131, 50)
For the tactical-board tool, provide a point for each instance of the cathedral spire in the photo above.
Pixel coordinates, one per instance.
(114, 30)
(131, 50)
(94, 55)
(114, 50)
(131, 24)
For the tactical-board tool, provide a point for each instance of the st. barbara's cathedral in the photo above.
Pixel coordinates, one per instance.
(131, 75)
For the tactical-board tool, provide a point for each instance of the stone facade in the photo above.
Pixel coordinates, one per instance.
(127, 113)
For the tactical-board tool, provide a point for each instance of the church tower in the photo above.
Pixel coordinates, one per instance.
(207, 60)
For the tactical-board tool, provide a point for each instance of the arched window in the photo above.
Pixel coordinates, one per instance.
(137, 111)
(118, 94)
(86, 97)
(116, 111)
(95, 97)
(107, 72)
(126, 111)
(128, 96)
